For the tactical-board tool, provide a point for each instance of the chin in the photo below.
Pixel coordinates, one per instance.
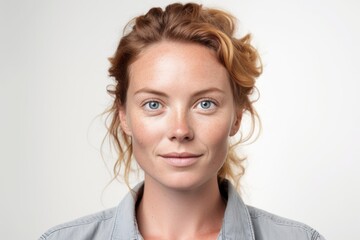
(184, 181)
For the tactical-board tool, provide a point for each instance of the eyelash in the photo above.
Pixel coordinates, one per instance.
(148, 108)
(212, 101)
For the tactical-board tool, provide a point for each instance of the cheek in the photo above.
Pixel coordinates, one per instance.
(143, 141)
(144, 132)
(216, 135)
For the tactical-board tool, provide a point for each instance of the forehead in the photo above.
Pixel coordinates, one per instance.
(174, 62)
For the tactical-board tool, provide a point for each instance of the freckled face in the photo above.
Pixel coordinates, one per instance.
(179, 113)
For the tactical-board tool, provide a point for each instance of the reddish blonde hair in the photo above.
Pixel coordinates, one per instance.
(190, 23)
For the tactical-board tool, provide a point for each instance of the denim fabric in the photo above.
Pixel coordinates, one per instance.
(241, 222)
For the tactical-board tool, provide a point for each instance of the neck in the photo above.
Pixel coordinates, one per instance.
(165, 213)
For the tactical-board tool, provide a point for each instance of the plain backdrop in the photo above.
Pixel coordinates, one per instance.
(53, 78)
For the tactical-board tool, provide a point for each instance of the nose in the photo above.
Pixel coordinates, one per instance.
(180, 127)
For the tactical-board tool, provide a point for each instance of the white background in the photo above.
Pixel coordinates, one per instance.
(53, 60)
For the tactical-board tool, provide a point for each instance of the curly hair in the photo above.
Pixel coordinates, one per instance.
(189, 23)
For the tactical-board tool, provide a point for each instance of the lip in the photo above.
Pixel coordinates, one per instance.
(183, 159)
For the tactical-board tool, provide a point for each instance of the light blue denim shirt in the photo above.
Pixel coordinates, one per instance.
(241, 222)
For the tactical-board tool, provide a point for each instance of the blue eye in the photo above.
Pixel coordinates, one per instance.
(153, 105)
(206, 104)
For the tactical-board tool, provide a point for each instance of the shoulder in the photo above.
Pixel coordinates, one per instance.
(270, 226)
(95, 226)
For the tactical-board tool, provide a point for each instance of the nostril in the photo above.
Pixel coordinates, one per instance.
(180, 126)
(181, 134)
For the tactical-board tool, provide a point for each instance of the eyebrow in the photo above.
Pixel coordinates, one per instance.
(159, 93)
(151, 91)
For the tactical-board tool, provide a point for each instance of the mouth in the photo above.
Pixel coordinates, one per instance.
(183, 159)
(180, 155)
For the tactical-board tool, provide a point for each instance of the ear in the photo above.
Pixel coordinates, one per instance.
(124, 121)
(236, 123)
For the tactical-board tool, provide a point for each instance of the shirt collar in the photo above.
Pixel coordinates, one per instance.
(236, 224)
(125, 225)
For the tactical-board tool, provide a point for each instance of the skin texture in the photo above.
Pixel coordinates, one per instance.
(179, 113)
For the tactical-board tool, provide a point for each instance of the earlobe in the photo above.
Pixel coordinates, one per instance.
(123, 121)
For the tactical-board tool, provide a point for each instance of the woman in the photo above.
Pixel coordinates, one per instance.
(183, 83)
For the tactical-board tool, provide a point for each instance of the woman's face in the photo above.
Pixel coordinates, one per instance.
(179, 113)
